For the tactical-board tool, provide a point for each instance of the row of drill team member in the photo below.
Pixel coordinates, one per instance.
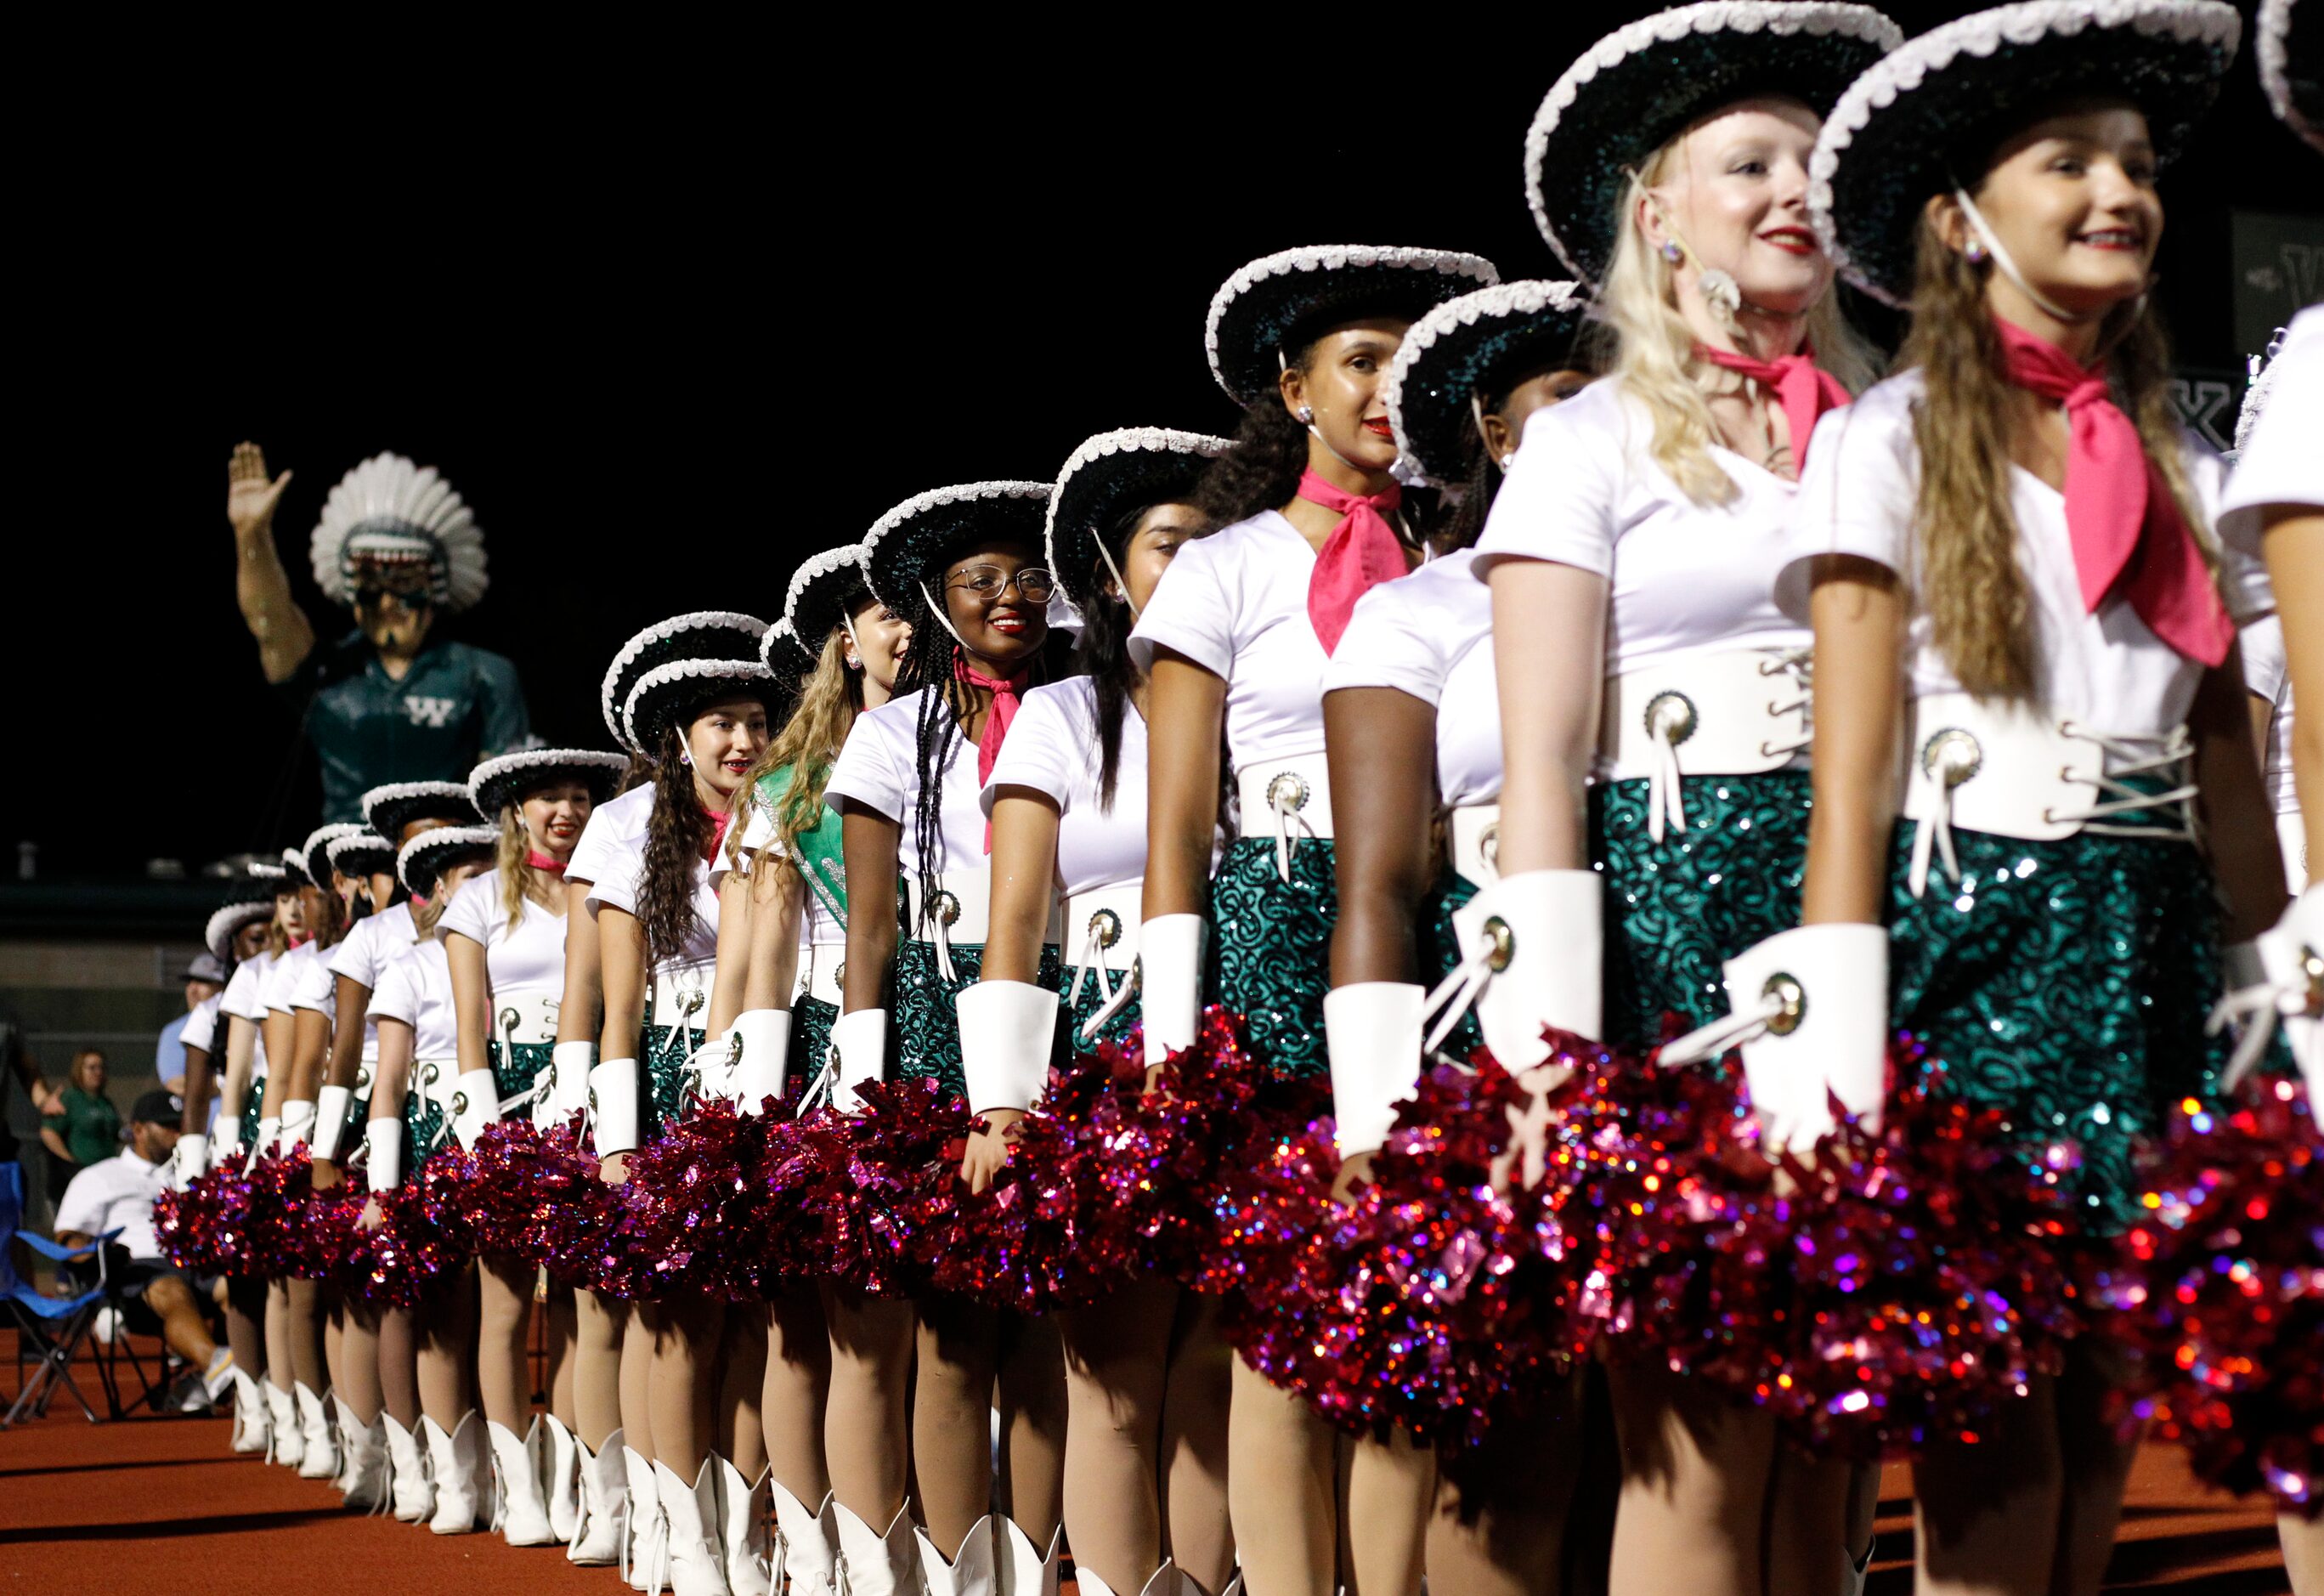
(1666, 547)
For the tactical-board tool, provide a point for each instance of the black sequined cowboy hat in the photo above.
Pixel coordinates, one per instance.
(672, 693)
(361, 853)
(1923, 120)
(497, 783)
(1276, 305)
(1470, 352)
(1109, 477)
(2288, 41)
(428, 855)
(703, 634)
(227, 922)
(1643, 84)
(906, 550)
(826, 589)
(388, 809)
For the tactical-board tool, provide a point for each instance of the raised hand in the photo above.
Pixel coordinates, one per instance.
(250, 497)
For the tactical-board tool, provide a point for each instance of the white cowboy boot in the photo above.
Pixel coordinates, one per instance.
(252, 1424)
(344, 1481)
(407, 1471)
(286, 1443)
(743, 1530)
(1024, 1569)
(519, 1510)
(561, 1455)
(1167, 1580)
(365, 1449)
(647, 1543)
(807, 1544)
(696, 1562)
(603, 1512)
(968, 1571)
(456, 1464)
(319, 1447)
(874, 1563)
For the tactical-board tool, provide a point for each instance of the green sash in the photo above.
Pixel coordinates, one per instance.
(820, 852)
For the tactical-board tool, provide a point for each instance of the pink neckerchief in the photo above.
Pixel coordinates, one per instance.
(2127, 531)
(720, 819)
(541, 861)
(1362, 552)
(1804, 389)
(1007, 699)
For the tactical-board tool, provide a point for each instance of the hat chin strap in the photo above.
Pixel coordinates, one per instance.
(937, 609)
(2008, 267)
(1119, 581)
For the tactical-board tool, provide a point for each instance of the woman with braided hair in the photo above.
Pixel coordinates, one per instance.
(964, 565)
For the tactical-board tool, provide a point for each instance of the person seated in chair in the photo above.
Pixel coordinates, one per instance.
(118, 1193)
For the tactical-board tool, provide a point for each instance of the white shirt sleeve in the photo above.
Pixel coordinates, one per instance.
(1387, 645)
(618, 886)
(2263, 664)
(2282, 463)
(201, 1027)
(1193, 612)
(275, 990)
(1557, 501)
(1858, 496)
(867, 772)
(1041, 752)
(87, 1197)
(475, 908)
(2243, 569)
(243, 998)
(317, 988)
(397, 995)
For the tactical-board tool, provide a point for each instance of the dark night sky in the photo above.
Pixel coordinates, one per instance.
(673, 311)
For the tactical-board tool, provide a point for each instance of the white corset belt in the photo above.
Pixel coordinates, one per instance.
(681, 997)
(823, 965)
(438, 1083)
(1103, 925)
(958, 908)
(1287, 799)
(1472, 835)
(526, 1017)
(1743, 711)
(2008, 769)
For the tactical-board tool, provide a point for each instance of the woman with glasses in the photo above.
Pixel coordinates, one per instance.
(964, 566)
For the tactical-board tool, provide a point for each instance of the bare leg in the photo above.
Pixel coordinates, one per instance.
(1986, 1516)
(1807, 1545)
(279, 1373)
(1281, 1490)
(865, 1433)
(1198, 1532)
(2095, 1462)
(2304, 1553)
(303, 1299)
(636, 1381)
(952, 1416)
(563, 1400)
(685, 1337)
(245, 1324)
(398, 1366)
(1030, 1393)
(1117, 1354)
(334, 1331)
(1501, 1508)
(741, 1374)
(798, 1385)
(358, 1379)
(504, 1315)
(1391, 1486)
(1694, 1485)
(447, 1321)
(596, 1367)
(183, 1330)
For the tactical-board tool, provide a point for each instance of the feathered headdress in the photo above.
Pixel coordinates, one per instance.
(388, 511)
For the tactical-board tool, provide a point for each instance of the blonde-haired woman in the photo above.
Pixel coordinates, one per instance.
(2005, 551)
(1638, 647)
(783, 929)
(504, 938)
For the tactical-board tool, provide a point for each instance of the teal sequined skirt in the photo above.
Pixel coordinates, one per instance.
(925, 1022)
(1078, 1010)
(253, 1109)
(1270, 950)
(1678, 909)
(667, 1049)
(811, 1022)
(1442, 952)
(423, 1125)
(2067, 984)
(516, 1077)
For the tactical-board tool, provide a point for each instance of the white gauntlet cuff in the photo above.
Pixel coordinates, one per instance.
(614, 1106)
(1007, 1037)
(1371, 1031)
(383, 1162)
(1170, 982)
(861, 1038)
(331, 1106)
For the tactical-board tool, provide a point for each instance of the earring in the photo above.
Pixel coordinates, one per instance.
(1975, 251)
(1672, 253)
(1507, 458)
(685, 759)
(1308, 415)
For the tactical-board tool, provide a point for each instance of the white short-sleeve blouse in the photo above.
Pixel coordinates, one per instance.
(529, 959)
(1430, 635)
(879, 768)
(1053, 749)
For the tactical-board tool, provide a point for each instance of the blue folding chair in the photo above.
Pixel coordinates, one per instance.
(52, 1327)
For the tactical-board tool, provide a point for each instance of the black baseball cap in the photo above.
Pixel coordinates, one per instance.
(158, 1108)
